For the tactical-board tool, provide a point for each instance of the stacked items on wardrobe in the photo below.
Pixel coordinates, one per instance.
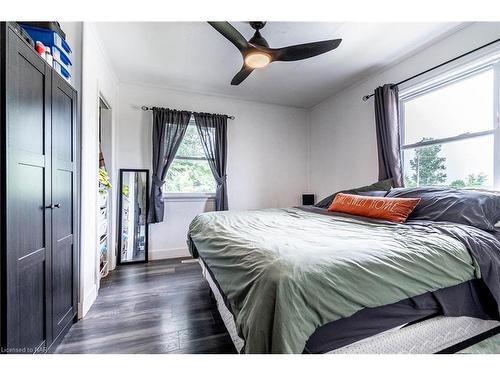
(51, 45)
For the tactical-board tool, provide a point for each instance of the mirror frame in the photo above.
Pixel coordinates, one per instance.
(146, 241)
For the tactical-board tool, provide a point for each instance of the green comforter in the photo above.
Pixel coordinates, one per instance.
(287, 272)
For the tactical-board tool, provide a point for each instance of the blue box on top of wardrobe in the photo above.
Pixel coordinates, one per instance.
(50, 39)
(61, 70)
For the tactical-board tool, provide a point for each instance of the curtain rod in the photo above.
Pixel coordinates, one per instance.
(145, 108)
(366, 97)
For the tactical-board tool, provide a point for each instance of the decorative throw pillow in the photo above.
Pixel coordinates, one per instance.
(384, 185)
(392, 209)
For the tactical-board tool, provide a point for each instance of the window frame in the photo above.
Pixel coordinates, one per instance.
(446, 78)
(183, 197)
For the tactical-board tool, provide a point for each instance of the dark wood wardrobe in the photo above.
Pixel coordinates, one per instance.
(39, 182)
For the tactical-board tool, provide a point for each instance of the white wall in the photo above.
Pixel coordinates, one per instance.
(74, 33)
(267, 155)
(343, 140)
(97, 79)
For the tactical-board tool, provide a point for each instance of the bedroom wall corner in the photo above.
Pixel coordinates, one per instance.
(309, 188)
(267, 155)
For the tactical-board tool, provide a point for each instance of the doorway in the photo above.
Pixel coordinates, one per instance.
(106, 257)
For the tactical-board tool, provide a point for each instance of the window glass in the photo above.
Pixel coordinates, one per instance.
(191, 144)
(461, 164)
(451, 110)
(190, 176)
(190, 171)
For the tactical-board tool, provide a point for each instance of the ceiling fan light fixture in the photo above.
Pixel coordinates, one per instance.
(257, 60)
(257, 54)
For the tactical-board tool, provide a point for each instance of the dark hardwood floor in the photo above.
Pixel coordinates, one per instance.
(159, 307)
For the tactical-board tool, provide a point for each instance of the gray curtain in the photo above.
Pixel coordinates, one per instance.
(213, 133)
(388, 134)
(169, 127)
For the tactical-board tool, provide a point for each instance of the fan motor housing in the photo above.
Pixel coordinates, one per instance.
(257, 25)
(258, 40)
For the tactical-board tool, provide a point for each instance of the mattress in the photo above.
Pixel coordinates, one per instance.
(426, 337)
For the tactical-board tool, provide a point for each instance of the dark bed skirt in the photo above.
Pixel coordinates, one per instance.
(471, 298)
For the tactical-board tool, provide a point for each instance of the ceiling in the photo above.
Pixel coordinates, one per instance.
(192, 56)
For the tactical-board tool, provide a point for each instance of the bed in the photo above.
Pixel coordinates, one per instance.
(305, 280)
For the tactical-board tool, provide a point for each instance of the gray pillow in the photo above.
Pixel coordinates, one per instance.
(375, 193)
(384, 185)
(478, 209)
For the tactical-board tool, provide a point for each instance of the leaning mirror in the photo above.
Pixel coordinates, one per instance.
(133, 205)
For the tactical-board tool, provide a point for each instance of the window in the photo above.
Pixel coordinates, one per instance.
(189, 172)
(450, 133)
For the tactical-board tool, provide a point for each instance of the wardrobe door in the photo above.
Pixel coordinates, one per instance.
(64, 258)
(28, 252)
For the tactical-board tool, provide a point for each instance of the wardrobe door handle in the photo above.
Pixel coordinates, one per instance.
(52, 206)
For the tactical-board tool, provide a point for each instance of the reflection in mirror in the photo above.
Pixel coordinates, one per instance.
(133, 216)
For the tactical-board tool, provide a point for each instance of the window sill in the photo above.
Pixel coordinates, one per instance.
(188, 197)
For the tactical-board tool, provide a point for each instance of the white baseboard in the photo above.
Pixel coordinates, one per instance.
(88, 301)
(155, 254)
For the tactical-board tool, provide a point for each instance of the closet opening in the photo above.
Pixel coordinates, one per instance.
(105, 256)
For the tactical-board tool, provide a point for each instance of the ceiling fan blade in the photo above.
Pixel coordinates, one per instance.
(241, 75)
(231, 34)
(304, 51)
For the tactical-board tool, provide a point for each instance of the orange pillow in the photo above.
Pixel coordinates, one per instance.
(392, 209)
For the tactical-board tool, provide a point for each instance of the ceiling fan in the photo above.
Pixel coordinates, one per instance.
(257, 54)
